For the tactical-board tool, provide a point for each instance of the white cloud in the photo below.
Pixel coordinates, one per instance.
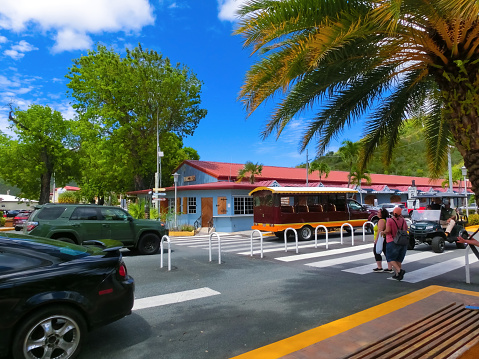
(18, 51)
(14, 54)
(68, 39)
(75, 19)
(3, 39)
(228, 9)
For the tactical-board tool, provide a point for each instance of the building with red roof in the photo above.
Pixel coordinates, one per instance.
(207, 192)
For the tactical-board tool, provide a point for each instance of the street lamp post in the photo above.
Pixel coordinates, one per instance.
(464, 173)
(159, 154)
(175, 177)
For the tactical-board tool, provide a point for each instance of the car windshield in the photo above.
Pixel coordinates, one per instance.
(426, 215)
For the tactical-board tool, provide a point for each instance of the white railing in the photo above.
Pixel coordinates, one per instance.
(219, 246)
(364, 229)
(286, 239)
(261, 241)
(169, 251)
(468, 273)
(316, 236)
(352, 232)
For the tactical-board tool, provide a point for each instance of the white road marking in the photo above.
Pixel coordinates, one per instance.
(368, 268)
(437, 269)
(172, 298)
(341, 260)
(330, 252)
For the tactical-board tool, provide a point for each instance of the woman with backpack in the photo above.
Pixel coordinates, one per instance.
(396, 244)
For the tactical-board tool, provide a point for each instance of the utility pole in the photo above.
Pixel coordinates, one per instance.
(307, 169)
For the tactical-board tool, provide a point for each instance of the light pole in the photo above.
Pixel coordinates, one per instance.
(464, 173)
(159, 154)
(175, 177)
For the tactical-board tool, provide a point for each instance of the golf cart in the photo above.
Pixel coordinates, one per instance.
(426, 226)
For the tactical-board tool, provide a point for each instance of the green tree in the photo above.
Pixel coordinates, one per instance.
(249, 170)
(322, 168)
(123, 101)
(357, 176)
(385, 59)
(349, 152)
(44, 146)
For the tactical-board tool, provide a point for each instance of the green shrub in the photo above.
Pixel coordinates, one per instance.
(187, 227)
(68, 197)
(137, 210)
(154, 214)
(2, 220)
(473, 219)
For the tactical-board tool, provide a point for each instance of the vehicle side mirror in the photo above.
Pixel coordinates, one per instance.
(130, 219)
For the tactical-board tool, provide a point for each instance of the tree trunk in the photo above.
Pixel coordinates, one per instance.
(45, 178)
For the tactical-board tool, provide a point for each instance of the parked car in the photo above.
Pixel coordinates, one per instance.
(20, 219)
(76, 223)
(52, 293)
(10, 213)
(390, 207)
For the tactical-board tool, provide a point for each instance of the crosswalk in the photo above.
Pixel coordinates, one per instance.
(421, 264)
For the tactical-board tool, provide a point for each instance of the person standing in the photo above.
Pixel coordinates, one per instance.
(395, 253)
(380, 226)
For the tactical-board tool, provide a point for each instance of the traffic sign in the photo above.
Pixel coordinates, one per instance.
(157, 195)
(159, 189)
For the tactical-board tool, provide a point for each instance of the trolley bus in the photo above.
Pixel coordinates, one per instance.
(304, 208)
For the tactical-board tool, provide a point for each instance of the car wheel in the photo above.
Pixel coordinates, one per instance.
(370, 228)
(149, 244)
(412, 243)
(438, 244)
(305, 233)
(280, 235)
(17, 228)
(460, 245)
(52, 332)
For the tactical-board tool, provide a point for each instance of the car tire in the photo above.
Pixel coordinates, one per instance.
(149, 244)
(280, 235)
(17, 228)
(305, 233)
(67, 332)
(438, 243)
(412, 243)
(460, 245)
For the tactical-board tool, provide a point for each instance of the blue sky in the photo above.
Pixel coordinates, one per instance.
(39, 40)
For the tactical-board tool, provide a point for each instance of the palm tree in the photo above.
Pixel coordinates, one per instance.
(357, 176)
(349, 152)
(250, 169)
(389, 60)
(322, 168)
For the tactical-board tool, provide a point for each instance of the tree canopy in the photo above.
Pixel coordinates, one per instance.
(379, 62)
(44, 147)
(121, 103)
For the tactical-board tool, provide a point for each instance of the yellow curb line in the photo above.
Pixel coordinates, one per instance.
(4, 229)
(315, 335)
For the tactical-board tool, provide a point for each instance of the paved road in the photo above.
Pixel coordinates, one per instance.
(203, 309)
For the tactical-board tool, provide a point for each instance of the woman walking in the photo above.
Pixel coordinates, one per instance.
(380, 241)
(395, 253)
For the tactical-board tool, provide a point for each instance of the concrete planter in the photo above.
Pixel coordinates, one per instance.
(181, 233)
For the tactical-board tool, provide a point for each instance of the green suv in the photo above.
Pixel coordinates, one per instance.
(76, 223)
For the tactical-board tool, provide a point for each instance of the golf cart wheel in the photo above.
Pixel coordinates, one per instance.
(305, 233)
(438, 244)
(412, 243)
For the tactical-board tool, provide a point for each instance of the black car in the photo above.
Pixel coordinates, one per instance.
(52, 293)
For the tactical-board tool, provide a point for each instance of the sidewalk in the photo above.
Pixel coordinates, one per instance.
(344, 337)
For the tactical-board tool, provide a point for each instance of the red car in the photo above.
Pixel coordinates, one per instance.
(20, 219)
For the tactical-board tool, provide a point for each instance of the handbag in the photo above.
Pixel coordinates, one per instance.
(401, 238)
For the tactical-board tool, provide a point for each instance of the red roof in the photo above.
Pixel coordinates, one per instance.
(228, 171)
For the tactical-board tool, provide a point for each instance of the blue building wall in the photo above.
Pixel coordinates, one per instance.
(228, 222)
